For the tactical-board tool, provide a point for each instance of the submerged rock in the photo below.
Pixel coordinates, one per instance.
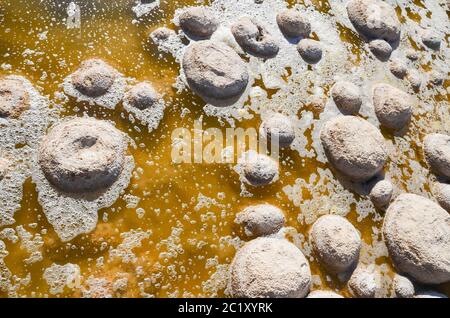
(198, 22)
(374, 19)
(310, 51)
(215, 72)
(336, 243)
(14, 98)
(261, 220)
(354, 147)
(293, 24)
(82, 155)
(269, 267)
(436, 148)
(254, 38)
(392, 106)
(417, 234)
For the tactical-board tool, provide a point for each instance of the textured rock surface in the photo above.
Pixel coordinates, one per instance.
(381, 194)
(364, 283)
(436, 149)
(441, 192)
(269, 267)
(14, 98)
(336, 243)
(347, 97)
(82, 155)
(198, 22)
(374, 19)
(93, 78)
(417, 234)
(431, 39)
(403, 287)
(261, 220)
(354, 147)
(254, 38)
(310, 51)
(215, 72)
(259, 169)
(142, 96)
(381, 49)
(392, 106)
(293, 24)
(279, 126)
(398, 67)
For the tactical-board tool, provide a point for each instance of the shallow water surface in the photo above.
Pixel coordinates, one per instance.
(172, 233)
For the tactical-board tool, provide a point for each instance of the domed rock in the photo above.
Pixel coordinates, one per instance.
(436, 78)
(261, 220)
(374, 19)
(292, 24)
(436, 148)
(412, 55)
(323, 294)
(347, 97)
(269, 267)
(310, 51)
(336, 243)
(82, 155)
(198, 22)
(215, 72)
(441, 192)
(254, 38)
(403, 287)
(398, 68)
(94, 78)
(431, 39)
(414, 79)
(354, 147)
(381, 194)
(142, 96)
(279, 126)
(364, 282)
(381, 49)
(259, 169)
(14, 98)
(417, 234)
(392, 106)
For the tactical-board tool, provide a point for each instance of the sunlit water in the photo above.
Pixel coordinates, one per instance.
(182, 218)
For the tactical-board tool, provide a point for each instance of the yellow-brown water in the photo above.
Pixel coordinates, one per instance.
(169, 193)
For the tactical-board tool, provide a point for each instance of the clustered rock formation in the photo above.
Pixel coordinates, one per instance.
(85, 155)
